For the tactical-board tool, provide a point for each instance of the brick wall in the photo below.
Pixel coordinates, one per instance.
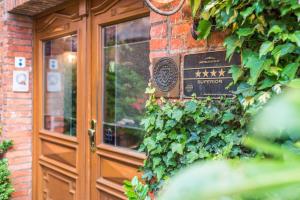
(16, 108)
(172, 36)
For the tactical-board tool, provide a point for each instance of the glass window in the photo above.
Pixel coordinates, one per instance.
(126, 62)
(60, 88)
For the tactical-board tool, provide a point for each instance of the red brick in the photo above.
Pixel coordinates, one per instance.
(192, 43)
(175, 18)
(158, 31)
(177, 44)
(216, 39)
(158, 44)
(157, 54)
(18, 29)
(23, 173)
(20, 48)
(154, 17)
(181, 29)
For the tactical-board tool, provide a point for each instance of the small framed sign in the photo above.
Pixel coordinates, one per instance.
(20, 81)
(207, 74)
(53, 82)
(166, 76)
(20, 62)
(53, 64)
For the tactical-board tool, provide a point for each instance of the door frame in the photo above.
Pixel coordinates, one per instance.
(89, 77)
(115, 12)
(74, 24)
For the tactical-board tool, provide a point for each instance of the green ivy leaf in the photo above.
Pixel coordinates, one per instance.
(246, 54)
(290, 70)
(265, 48)
(177, 114)
(227, 117)
(237, 72)
(149, 143)
(231, 43)
(161, 136)
(195, 4)
(266, 83)
(190, 107)
(156, 162)
(159, 123)
(159, 171)
(204, 28)
(247, 12)
(282, 50)
(244, 32)
(275, 29)
(295, 37)
(256, 66)
(191, 157)
(177, 147)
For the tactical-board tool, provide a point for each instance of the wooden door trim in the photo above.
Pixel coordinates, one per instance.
(86, 30)
(113, 12)
(45, 31)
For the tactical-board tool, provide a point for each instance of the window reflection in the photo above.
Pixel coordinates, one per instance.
(126, 61)
(60, 88)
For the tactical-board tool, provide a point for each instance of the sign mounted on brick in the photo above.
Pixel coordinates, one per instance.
(166, 76)
(207, 74)
(20, 62)
(20, 81)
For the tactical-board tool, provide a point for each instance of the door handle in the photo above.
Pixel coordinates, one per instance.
(92, 135)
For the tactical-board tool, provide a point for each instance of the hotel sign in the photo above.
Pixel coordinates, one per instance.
(207, 74)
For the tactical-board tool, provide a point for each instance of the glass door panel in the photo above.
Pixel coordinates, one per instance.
(126, 63)
(60, 85)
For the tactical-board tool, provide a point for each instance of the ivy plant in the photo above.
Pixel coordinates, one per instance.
(135, 190)
(6, 188)
(276, 177)
(267, 35)
(181, 133)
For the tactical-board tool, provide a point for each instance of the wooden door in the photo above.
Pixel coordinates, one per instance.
(60, 86)
(120, 73)
(91, 68)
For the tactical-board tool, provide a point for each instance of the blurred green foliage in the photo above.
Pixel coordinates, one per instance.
(276, 176)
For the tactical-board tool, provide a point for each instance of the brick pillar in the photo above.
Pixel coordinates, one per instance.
(16, 107)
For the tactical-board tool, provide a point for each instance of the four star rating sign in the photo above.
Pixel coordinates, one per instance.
(213, 73)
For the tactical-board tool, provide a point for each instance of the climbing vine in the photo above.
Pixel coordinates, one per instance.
(266, 33)
(6, 188)
(180, 133)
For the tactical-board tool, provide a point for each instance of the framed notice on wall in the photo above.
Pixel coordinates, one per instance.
(53, 82)
(207, 74)
(20, 81)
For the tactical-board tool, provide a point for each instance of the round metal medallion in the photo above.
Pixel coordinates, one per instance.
(165, 74)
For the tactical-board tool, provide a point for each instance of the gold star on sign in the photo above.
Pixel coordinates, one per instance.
(221, 73)
(198, 74)
(213, 73)
(205, 73)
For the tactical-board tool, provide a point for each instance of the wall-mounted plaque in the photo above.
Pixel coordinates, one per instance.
(206, 74)
(20, 81)
(165, 76)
